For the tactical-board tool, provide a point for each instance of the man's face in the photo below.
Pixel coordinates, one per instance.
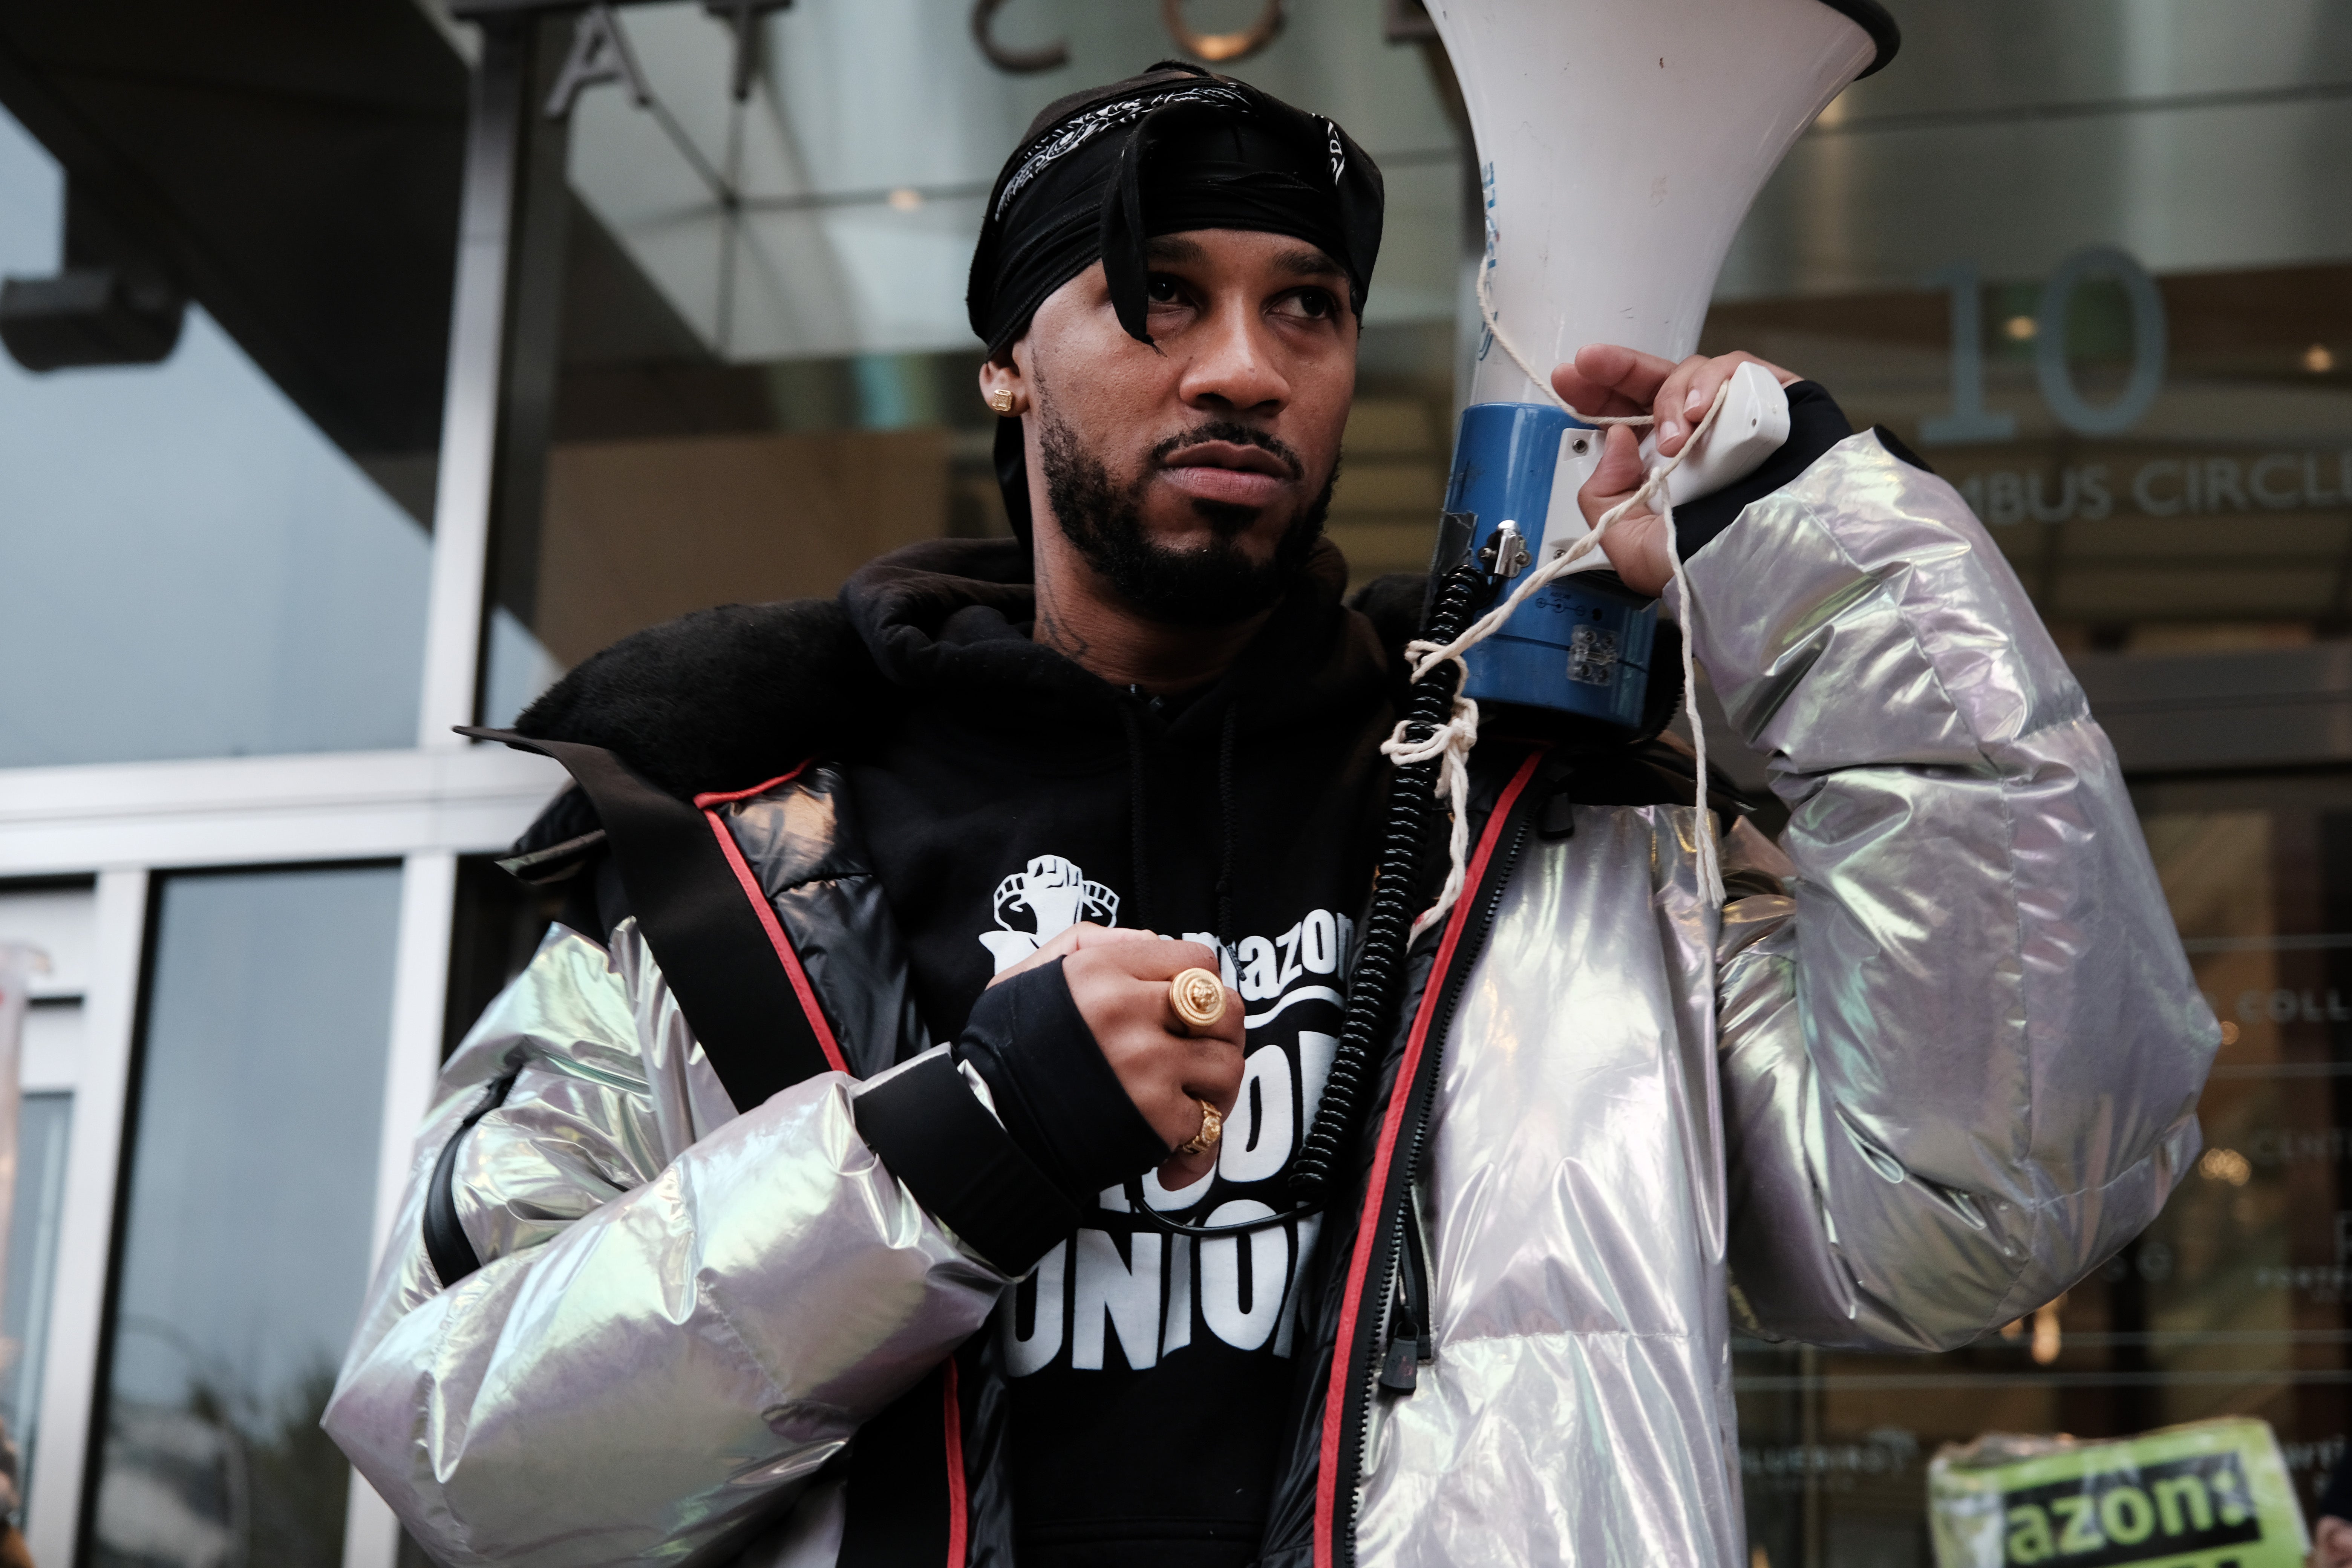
(1193, 474)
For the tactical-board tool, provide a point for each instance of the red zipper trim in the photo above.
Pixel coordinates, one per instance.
(1368, 1225)
(776, 938)
(958, 1526)
(710, 798)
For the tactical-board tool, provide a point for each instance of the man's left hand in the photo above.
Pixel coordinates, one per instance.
(1607, 379)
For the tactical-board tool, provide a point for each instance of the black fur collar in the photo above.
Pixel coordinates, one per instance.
(724, 697)
(720, 698)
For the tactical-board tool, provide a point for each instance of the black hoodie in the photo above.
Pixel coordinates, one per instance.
(1010, 792)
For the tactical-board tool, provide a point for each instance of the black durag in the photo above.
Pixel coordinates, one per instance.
(1177, 148)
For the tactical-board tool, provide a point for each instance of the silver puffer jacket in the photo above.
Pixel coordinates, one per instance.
(1946, 1073)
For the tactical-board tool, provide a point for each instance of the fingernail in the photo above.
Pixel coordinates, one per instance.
(1668, 429)
(1695, 406)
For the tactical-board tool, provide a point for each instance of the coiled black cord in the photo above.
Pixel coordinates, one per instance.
(1380, 963)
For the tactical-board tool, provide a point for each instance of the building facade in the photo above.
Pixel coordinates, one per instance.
(370, 365)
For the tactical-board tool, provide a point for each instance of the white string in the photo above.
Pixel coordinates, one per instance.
(1495, 329)
(1450, 742)
(1710, 866)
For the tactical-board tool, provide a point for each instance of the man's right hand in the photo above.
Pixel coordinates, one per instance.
(1119, 978)
(1605, 379)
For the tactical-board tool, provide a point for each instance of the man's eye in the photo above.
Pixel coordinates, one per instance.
(1161, 290)
(1315, 304)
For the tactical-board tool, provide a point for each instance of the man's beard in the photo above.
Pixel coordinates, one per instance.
(1217, 585)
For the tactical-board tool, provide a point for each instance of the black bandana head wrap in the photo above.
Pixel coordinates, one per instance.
(1175, 149)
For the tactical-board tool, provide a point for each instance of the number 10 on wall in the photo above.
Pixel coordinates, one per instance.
(1968, 421)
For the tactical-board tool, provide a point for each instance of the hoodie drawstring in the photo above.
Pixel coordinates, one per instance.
(1225, 827)
(1139, 877)
(1139, 838)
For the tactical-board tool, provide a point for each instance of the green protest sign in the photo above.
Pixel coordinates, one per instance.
(2211, 1494)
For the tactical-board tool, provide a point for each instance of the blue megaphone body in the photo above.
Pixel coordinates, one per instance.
(1581, 645)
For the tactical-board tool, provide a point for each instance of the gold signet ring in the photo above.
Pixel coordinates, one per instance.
(1212, 1121)
(1197, 997)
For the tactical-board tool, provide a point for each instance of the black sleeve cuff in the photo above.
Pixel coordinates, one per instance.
(936, 1137)
(1059, 1098)
(1815, 424)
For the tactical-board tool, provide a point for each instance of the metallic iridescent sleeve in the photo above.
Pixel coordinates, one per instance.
(1960, 1062)
(681, 1313)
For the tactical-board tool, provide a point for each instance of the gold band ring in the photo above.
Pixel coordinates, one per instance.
(1198, 998)
(1212, 1125)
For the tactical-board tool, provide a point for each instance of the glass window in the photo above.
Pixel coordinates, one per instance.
(54, 915)
(2077, 258)
(243, 1255)
(765, 377)
(41, 1128)
(188, 567)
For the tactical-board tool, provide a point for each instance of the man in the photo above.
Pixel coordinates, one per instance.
(714, 1251)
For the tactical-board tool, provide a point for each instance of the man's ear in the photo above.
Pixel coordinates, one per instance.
(1003, 387)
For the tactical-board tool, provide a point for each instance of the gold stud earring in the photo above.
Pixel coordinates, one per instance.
(1001, 400)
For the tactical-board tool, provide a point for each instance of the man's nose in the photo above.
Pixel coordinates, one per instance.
(1234, 364)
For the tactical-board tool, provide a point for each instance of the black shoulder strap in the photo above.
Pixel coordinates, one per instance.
(698, 917)
(446, 1243)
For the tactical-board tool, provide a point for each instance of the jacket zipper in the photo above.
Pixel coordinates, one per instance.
(1465, 954)
(1410, 1329)
(1490, 904)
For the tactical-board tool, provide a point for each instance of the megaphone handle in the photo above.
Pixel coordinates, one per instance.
(1751, 427)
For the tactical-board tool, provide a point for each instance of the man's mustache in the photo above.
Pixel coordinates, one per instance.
(1240, 436)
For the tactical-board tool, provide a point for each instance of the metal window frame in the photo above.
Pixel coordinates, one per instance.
(425, 807)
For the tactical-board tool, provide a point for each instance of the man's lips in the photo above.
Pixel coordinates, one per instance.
(1227, 471)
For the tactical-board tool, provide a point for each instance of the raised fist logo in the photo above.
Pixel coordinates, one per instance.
(1054, 895)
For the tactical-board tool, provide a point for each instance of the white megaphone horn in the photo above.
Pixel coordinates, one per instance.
(1620, 144)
